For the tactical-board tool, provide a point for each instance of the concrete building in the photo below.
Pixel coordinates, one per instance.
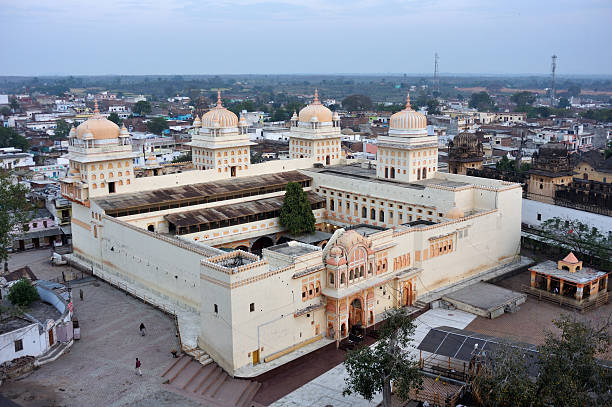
(465, 151)
(398, 231)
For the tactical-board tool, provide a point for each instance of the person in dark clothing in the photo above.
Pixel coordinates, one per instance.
(143, 330)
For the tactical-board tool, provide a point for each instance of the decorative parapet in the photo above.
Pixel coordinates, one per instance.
(234, 262)
(308, 271)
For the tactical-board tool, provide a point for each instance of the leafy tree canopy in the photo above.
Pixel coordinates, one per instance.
(609, 150)
(601, 115)
(23, 293)
(157, 125)
(10, 138)
(433, 106)
(62, 129)
(14, 211)
(371, 369)
(564, 103)
(183, 158)
(482, 101)
(142, 107)
(114, 117)
(296, 212)
(523, 99)
(355, 103)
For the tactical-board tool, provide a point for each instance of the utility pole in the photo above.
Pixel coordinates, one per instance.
(436, 79)
(552, 88)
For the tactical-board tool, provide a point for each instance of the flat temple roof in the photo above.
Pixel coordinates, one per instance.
(233, 211)
(207, 191)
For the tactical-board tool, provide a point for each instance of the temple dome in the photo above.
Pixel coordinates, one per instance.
(219, 116)
(97, 127)
(408, 119)
(315, 109)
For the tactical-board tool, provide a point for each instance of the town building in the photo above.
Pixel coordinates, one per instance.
(208, 244)
(465, 151)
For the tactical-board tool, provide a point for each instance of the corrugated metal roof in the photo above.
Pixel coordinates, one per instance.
(238, 210)
(184, 193)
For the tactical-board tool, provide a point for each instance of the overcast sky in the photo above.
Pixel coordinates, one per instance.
(82, 37)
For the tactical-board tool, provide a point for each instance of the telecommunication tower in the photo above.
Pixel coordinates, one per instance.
(553, 67)
(436, 79)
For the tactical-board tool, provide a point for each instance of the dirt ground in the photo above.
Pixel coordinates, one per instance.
(530, 323)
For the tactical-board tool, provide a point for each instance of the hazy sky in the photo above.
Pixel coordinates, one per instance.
(83, 37)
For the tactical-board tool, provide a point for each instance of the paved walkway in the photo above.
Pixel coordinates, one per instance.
(327, 388)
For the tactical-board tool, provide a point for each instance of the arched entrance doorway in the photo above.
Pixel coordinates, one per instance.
(355, 313)
(243, 248)
(261, 244)
(283, 239)
(407, 295)
(327, 160)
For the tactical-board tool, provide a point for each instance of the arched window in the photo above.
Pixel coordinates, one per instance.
(332, 204)
(364, 212)
(351, 275)
(342, 279)
(361, 270)
(331, 279)
(381, 216)
(392, 172)
(373, 214)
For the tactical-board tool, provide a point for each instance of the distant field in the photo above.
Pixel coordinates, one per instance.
(508, 90)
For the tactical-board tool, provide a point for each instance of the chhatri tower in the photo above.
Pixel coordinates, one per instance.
(315, 133)
(221, 141)
(407, 153)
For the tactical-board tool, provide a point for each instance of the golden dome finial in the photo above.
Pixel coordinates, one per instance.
(408, 107)
(96, 109)
(219, 101)
(316, 98)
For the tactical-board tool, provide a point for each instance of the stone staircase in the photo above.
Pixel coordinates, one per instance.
(208, 382)
(53, 353)
(421, 304)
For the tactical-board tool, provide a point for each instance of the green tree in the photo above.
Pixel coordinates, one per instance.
(23, 293)
(14, 213)
(433, 107)
(14, 104)
(564, 103)
(569, 373)
(10, 138)
(5, 111)
(256, 157)
(523, 99)
(503, 380)
(580, 238)
(142, 107)
(296, 212)
(371, 369)
(114, 117)
(157, 125)
(355, 103)
(62, 129)
(609, 150)
(482, 101)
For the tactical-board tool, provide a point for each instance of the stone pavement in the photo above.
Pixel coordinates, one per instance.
(327, 388)
(99, 369)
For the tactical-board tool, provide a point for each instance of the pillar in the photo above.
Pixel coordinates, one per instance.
(594, 288)
(561, 286)
(579, 289)
(548, 283)
(533, 279)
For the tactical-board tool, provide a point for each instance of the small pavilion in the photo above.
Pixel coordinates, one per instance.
(568, 279)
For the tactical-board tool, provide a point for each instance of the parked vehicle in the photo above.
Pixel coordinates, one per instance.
(57, 260)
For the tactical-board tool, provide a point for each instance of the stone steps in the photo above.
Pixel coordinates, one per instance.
(209, 383)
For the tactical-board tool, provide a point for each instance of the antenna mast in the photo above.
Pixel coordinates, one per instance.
(553, 67)
(436, 79)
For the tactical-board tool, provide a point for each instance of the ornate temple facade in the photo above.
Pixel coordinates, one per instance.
(208, 242)
(465, 152)
(551, 166)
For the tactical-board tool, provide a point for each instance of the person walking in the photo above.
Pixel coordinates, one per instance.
(138, 364)
(143, 330)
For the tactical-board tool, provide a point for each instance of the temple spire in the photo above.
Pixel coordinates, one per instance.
(96, 109)
(316, 97)
(219, 101)
(408, 107)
